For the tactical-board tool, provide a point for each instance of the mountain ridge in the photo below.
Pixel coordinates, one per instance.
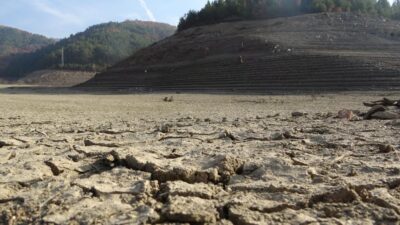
(14, 41)
(94, 49)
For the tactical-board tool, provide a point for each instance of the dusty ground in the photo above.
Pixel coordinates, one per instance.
(215, 159)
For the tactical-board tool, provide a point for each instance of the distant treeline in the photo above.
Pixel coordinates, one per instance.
(13, 41)
(233, 10)
(93, 50)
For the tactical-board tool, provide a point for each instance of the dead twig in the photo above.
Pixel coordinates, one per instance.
(15, 199)
(42, 133)
(116, 132)
(339, 158)
(257, 139)
(179, 137)
(20, 140)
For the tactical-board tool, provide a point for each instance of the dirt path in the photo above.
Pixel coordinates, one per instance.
(216, 159)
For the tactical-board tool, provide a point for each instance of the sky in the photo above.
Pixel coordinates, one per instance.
(61, 18)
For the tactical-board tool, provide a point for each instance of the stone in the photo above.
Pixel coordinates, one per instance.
(298, 114)
(346, 114)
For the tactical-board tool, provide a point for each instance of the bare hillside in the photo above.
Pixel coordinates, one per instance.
(329, 51)
(56, 78)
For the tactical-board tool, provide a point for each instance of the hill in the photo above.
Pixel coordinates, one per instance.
(94, 49)
(14, 42)
(235, 10)
(56, 78)
(326, 51)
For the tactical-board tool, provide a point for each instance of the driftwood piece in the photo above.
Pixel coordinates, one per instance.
(383, 102)
(374, 109)
(15, 199)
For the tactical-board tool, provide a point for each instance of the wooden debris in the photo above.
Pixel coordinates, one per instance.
(386, 148)
(54, 168)
(383, 102)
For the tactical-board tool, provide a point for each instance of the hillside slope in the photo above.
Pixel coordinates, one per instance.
(94, 49)
(328, 51)
(14, 42)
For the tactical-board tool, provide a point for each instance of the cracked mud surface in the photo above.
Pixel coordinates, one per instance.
(201, 159)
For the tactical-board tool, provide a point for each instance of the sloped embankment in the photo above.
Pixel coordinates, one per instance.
(339, 51)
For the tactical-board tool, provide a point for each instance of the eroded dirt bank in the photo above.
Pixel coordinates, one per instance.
(206, 159)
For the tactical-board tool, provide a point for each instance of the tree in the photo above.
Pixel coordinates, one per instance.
(396, 10)
(364, 6)
(383, 8)
(226, 10)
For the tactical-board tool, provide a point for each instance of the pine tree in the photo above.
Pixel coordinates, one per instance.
(396, 10)
(383, 8)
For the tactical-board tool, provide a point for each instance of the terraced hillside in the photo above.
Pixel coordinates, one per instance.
(330, 51)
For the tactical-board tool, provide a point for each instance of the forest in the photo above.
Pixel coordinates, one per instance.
(234, 10)
(92, 50)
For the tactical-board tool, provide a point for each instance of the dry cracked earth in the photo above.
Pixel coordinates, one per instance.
(201, 159)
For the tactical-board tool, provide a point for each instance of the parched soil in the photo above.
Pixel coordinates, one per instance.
(200, 159)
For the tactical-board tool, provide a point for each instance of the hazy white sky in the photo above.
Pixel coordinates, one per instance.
(60, 18)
